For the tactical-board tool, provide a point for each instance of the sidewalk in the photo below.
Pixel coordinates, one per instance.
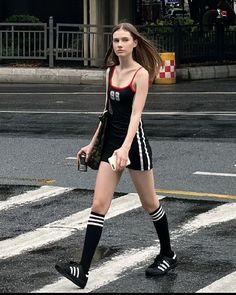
(97, 76)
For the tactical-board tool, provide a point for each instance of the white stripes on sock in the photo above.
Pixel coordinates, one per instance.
(158, 214)
(96, 220)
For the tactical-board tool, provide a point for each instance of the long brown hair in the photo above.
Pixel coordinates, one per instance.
(145, 53)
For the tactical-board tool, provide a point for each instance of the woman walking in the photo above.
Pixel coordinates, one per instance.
(132, 65)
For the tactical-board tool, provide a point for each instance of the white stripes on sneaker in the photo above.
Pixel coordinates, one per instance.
(74, 270)
(96, 220)
(158, 214)
(165, 265)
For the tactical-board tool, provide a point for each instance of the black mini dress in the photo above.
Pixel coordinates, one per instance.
(120, 102)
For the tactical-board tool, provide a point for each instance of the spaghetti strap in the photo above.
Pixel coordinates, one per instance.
(129, 85)
(134, 76)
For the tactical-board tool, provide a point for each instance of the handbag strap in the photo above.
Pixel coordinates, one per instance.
(107, 87)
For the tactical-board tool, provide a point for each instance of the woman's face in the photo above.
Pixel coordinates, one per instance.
(123, 43)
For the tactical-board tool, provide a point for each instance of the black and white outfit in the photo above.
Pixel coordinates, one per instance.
(120, 101)
(120, 107)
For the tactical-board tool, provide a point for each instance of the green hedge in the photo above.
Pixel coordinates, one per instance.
(22, 19)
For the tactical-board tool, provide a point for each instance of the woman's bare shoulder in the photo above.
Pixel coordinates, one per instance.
(142, 74)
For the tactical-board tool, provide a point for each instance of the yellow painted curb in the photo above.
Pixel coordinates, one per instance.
(194, 194)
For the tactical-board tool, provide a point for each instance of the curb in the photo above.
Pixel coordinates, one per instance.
(51, 76)
(206, 72)
(97, 77)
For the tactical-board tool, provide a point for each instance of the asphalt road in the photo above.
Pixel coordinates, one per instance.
(186, 110)
(192, 131)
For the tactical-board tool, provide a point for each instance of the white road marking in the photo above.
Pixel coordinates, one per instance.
(63, 228)
(44, 192)
(51, 93)
(217, 215)
(202, 113)
(224, 285)
(102, 93)
(194, 92)
(176, 113)
(115, 268)
(71, 158)
(214, 174)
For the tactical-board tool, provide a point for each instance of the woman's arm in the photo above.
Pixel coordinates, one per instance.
(141, 85)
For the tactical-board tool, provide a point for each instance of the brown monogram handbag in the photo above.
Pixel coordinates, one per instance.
(96, 153)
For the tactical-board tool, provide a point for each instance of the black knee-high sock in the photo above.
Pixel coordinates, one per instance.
(161, 225)
(92, 237)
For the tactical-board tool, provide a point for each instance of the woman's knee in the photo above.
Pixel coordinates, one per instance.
(151, 205)
(100, 206)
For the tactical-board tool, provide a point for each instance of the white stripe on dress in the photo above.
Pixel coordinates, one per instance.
(140, 149)
(145, 146)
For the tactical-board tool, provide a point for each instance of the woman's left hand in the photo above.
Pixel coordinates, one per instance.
(121, 158)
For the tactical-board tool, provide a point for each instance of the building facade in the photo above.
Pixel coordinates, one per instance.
(103, 12)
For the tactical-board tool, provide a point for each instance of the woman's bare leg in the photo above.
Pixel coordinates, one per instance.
(144, 183)
(106, 183)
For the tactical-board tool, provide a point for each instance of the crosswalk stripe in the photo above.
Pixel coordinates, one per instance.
(226, 284)
(63, 228)
(219, 214)
(113, 269)
(44, 192)
(214, 173)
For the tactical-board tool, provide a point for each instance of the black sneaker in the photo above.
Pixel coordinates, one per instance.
(74, 272)
(161, 265)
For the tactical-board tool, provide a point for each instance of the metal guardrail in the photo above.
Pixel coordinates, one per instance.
(193, 43)
(86, 43)
(89, 43)
(23, 41)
